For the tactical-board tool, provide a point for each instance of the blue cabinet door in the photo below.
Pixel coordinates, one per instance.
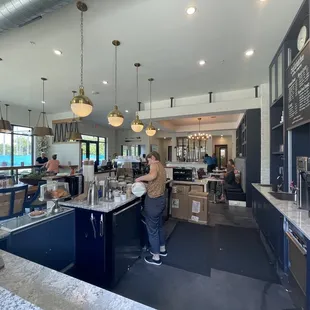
(50, 243)
(126, 239)
(90, 259)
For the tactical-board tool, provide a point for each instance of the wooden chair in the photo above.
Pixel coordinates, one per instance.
(12, 201)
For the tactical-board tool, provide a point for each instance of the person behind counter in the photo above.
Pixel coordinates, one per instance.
(154, 207)
(42, 160)
(230, 179)
(209, 161)
(53, 164)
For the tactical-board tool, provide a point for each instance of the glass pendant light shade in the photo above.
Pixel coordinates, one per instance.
(115, 117)
(81, 105)
(5, 125)
(137, 125)
(150, 130)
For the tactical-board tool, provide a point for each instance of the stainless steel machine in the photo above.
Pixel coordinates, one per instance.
(303, 182)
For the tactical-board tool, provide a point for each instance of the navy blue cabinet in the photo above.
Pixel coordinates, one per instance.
(3, 244)
(270, 223)
(50, 243)
(107, 244)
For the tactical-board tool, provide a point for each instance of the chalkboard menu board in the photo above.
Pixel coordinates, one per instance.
(298, 87)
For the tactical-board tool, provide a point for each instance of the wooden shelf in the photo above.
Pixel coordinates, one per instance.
(277, 126)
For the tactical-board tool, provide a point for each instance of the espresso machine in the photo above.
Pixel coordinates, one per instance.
(303, 182)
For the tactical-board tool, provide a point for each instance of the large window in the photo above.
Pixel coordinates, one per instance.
(16, 148)
(93, 148)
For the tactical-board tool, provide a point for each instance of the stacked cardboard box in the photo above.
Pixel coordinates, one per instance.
(179, 201)
(198, 207)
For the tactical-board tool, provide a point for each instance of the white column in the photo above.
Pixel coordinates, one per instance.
(265, 134)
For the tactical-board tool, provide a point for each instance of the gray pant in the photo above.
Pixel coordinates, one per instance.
(153, 210)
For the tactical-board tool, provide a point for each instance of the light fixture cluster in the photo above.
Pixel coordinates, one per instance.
(199, 135)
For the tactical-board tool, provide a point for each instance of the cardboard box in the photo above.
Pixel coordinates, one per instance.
(179, 202)
(198, 207)
(197, 188)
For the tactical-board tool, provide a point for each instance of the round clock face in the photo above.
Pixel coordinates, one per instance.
(302, 37)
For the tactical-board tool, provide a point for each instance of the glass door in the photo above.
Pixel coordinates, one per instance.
(90, 150)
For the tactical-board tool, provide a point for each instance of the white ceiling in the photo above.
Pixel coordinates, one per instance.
(158, 34)
(227, 118)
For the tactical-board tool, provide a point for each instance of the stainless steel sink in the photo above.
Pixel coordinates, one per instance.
(283, 196)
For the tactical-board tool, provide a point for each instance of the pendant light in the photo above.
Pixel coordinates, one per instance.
(115, 117)
(137, 125)
(74, 134)
(5, 125)
(43, 130)
(81, 105)
(150, 129)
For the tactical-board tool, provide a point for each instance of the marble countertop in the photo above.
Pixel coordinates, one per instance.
(52, 290)
(101, 207)
(299, 218)
(10, 301)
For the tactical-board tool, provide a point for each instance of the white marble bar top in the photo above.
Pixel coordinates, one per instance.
(52, 290)
(10, 301)
(299, 218)
(104, 207)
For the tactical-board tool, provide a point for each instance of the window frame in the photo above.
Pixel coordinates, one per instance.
(97, 142)
(21, 134)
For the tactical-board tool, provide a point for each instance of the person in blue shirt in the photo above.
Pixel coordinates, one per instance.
(208, 160)
(214, 160)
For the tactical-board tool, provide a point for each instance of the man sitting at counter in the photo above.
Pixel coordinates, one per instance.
(154, 207)
(42, 160)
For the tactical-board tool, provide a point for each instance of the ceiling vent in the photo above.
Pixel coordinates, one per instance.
(18, 13)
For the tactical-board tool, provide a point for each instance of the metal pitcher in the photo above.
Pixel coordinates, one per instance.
(92, 195)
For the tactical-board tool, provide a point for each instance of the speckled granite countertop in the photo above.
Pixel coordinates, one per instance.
(101, 207)
(52, 290)
(10, 301)
(299, 218)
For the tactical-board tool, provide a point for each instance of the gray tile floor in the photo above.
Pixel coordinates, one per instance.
(168, 287)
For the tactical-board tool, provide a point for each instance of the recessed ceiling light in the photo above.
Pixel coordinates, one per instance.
(105, 82)
(126, 111)
(158, 128)
(202, 62)
(43, 101)
(191, 10)
(249, 53)
(58, 52)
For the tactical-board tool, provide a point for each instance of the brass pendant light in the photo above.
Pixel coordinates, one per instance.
(137, 125)
(74, 134)
(81, 105)
(115, 117)
(5, 125)
(44, 130)
(150, 129)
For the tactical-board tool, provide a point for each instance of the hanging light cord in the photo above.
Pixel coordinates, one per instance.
(43, 101)
(151, 100)
(1, 112)
(6, 111)
(138, 85)
(82, 47)
(29, 118)
(115, 76)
